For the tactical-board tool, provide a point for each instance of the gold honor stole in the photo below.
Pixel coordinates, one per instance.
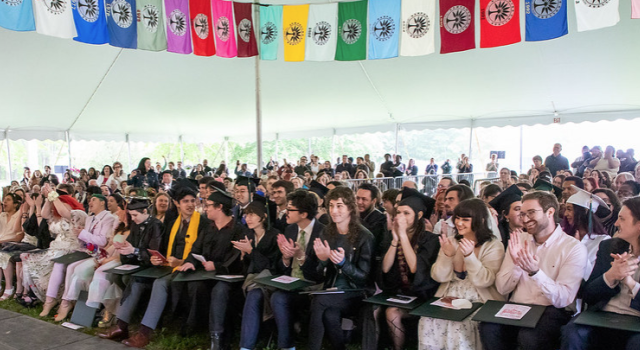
(192, 234)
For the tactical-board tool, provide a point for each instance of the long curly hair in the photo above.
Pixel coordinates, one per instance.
(349, 199)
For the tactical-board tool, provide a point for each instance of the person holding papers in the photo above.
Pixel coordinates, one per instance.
(543, 267)
(466, 267)
(411, 252)
(219, 256)
(345, 250)
(613, 287)
(299, 260)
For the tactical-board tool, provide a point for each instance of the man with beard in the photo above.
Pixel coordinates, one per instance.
(545, 267)
(385, 168)
(374, 220)
(567, 190)
(453, 195)
(279, 191)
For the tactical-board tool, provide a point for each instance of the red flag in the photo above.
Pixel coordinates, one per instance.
(247, 46)
(200, 13)
(457, 32)
(499, 22)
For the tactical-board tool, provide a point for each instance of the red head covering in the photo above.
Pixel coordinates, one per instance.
(69, 200)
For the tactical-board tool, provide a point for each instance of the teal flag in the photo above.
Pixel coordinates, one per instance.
(150, 25)
(352, 31)
(270, 28)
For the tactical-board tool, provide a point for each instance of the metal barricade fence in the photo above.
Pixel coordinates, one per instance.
(427, 184)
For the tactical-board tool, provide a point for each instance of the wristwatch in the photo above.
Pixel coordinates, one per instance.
(136, 252)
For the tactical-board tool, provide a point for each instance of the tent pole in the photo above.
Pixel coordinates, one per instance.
(258, 117)
(181, 149)
(277, 142)
(333, 146)
(128, 150)
(397, 138)
(470, 139)
(226, 151)
(6, 137)
(309, 146)
(66, 134)
(521, 143)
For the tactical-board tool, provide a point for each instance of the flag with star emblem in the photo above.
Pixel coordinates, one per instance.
(352, 31)
(247, 46)
(499, 22)
(201, 28)
(223, 28)
(17, 15)
(121, 22)
(545, 19)
(384, 28)
(91, 21)
(596, 14)
(418, 27)
(54, 18)
(150, 29)
(294, 31)
(322, 32)
(178, 26)
(270, 24)
(457, 29)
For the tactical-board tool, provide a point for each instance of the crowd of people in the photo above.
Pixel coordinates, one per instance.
(565, 236)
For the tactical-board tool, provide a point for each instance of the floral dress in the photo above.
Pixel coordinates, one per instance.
(37, 266)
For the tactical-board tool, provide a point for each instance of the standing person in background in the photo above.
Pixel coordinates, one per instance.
(446, 167)
(118, 174)
(607, 162)
(371, 164)
(182, 174)
(465, 167)
(143, 176)
(492, 166)
(412, 168)
(556, 161)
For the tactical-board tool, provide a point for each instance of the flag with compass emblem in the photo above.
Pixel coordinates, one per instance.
(418, 27)
(270, 24)
(352, 31)
(322, 32)
(247, 46)
(596, 14)
(178, 24)
(201, 27)
(294, 31)
(54, 18)
(17, 15)
(91, 21)
(150, 26)
(457, 29)
(384, 28)
(121, 23)
(499, 22)
(223, 28)
(545, 19)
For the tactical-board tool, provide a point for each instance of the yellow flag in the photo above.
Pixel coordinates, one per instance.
(294, 31)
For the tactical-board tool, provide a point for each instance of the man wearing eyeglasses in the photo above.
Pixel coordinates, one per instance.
(544, 267)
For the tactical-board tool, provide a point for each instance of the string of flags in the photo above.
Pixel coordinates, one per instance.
(342, 31)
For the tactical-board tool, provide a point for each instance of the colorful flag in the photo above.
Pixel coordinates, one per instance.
(457, 31)
(352, 21)
(418, 27)
(384, 28)
(294, 26)
(270, 24)
(91, 21)
(120, 21)
(54, 18)
(150, 29)
(17, 15)
(596, 14)
(499, 22)
(322, 32)
(247, 46)
(635, 9)
(545, 20)
(178, 24)
(201, 28)
(223, 28)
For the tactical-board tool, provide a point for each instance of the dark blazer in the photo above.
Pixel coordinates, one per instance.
(595, 292)
(376, 222)
(147, 235)
(40, 232)
(310, 267)
(264, 255)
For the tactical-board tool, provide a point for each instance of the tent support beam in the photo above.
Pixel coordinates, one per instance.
(397, 138)
(226, 151)
(521, 143)
(128, 150)
(66, 134)
(333, 146)
(470, 139)
(277, 146)
(6, 137)
(258, 118)
(181, 149)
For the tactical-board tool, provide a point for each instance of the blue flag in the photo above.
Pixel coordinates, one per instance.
(91, 21)
(17, 15)
(270, 28)
(122, 24)
(545, 20)
(384, 28)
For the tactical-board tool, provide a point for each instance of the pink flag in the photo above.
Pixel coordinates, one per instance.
(178, 26)
(635, 8)
(223, 28)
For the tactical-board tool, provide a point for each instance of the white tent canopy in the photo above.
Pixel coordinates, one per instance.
(52, 86)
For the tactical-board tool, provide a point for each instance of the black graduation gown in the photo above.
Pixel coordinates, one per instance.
(264, 255)
(147, 235)
(41, 231)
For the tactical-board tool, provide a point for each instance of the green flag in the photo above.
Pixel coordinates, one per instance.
(151, 34)
(352, 31)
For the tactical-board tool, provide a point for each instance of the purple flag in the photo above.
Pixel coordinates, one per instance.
(178, 26)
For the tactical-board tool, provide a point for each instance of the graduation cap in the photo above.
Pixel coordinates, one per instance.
(250, 182)
(417, 201)
(590, 201)
(138, 203)
(258, 206)
(503, 201)
(217, 185)
(318, 189)
(184, 187)
(221, 197)
(542, 185)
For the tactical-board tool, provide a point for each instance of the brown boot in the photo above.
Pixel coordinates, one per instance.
(48, 306)
(138, 340)
(114, 333)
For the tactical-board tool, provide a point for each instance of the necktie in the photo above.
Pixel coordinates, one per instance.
(296, 268)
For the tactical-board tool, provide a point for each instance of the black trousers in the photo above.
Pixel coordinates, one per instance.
(581, 337)
(546, 335)
(327, 311)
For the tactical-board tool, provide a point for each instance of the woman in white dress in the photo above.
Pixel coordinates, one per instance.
(466, 268)
(10, 231)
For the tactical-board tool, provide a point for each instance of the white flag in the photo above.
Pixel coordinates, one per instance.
(54, 18)
(322, 32)
(596, 14)
(419, 25)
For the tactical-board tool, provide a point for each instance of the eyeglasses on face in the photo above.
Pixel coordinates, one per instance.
(529, 213)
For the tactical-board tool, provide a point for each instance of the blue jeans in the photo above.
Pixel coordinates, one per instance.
(251, 319)
(282, 304)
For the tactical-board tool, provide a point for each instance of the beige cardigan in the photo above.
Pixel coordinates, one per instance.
(481, 270)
